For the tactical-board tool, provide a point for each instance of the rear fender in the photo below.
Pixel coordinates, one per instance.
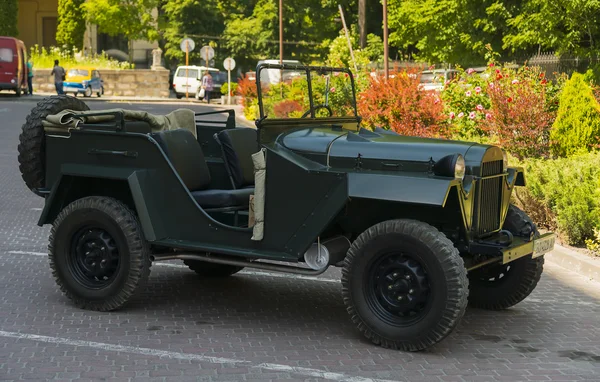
(78, 181)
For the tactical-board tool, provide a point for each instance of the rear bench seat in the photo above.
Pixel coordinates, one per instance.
(186, 156)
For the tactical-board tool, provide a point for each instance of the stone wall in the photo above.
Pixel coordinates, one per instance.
(117, 82)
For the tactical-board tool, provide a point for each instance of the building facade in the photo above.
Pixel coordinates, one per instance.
(38, 21)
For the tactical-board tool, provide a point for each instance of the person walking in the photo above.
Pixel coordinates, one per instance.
(30, 76)
(59, 76)
(207, 85)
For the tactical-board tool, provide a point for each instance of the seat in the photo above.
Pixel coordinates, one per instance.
(186, 156)
(237, 146)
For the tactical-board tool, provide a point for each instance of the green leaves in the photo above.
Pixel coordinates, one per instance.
(71, 24)
(8, 18)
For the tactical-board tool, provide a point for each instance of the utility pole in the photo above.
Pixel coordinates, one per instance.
(386, 54)
(362, 23)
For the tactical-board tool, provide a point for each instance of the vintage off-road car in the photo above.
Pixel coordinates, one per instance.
(420, 227)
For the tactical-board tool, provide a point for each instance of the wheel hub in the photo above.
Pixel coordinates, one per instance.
(96, 257)
(401, 286)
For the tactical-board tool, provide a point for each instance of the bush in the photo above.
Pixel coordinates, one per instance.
(399, 105)
(287, 108)
(225, 87)
(577, 125)
(570, 188)
(511, 108)
(518, 115)
(246, 88)
(43, 58)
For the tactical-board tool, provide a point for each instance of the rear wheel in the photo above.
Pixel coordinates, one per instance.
(98, 254)
(206, 269)
(404, 285)
(498, 287)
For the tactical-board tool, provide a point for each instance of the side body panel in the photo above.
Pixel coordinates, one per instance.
(168, 213)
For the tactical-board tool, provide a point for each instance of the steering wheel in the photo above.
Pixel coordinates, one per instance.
(322, 106)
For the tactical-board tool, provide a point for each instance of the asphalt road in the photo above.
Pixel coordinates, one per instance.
(256, 325)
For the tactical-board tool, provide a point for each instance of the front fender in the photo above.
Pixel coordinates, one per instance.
(398, 188)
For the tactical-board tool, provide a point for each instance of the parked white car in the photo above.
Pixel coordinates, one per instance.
(190, 80)
(271, 76)
(435, 79)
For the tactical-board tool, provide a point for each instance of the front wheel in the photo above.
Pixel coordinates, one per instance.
(98, 254)
(498, 287)
(404, 285)
(88, 92)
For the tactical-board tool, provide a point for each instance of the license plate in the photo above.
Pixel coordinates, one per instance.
(68, 89)
(543, 245)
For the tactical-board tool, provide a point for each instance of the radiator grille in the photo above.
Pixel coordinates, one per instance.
(490, 198)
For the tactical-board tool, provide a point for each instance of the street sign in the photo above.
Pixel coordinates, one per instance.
(187, 45)
(229, 63)
(190, 44)
(207, 53)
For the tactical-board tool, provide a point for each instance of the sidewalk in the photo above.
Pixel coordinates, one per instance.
(574, 261)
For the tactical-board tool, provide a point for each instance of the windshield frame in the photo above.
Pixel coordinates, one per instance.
(306, 69)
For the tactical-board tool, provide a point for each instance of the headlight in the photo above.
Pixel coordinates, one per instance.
(13, 81)
(504, 161)
(460, 167)
(451, 166)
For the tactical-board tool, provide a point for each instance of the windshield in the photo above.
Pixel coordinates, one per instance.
(6, 55)
(285, 94)
(77, 72)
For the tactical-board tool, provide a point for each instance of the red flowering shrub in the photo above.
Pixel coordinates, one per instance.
(519, 115)
(284, 108)
(247, 89)
(398, 104)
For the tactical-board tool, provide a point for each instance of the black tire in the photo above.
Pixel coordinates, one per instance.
(206, 269)
(419, 257)
(32, 149)
(18, 91)
(498, 287)
(84, 235)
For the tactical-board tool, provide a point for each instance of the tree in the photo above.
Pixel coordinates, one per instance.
(568, 26)
(451, 31)
(190, 18)
(131, 18)
(71, 23)
(8, 18)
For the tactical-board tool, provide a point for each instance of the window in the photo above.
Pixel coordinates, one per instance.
(191, 73)
(77, 72)
(6, 55)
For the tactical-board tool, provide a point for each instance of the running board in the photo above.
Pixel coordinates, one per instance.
(220, 259)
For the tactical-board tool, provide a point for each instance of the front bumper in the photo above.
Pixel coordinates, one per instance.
(517, 248)
(7, 86)
(536, 247)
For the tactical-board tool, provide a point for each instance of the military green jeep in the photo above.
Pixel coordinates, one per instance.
(419, 227)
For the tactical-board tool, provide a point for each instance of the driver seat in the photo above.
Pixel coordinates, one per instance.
(237, 147)
(186, 155)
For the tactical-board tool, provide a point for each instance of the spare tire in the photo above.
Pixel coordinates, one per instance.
(32, 145)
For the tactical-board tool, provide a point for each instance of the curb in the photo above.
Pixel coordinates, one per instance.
(567, 258)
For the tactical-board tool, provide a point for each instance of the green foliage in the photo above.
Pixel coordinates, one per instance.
(566, 26)
(225, 87)
(71, 24)
(453, 31)
(577, 125)
(190, 18)
(339, 53)
(570, 188)
(130, 18)
(44, 59)
(8, 18)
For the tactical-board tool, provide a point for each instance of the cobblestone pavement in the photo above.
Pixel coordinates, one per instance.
(257, 325)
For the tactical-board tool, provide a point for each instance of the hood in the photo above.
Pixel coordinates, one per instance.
(380, 150)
